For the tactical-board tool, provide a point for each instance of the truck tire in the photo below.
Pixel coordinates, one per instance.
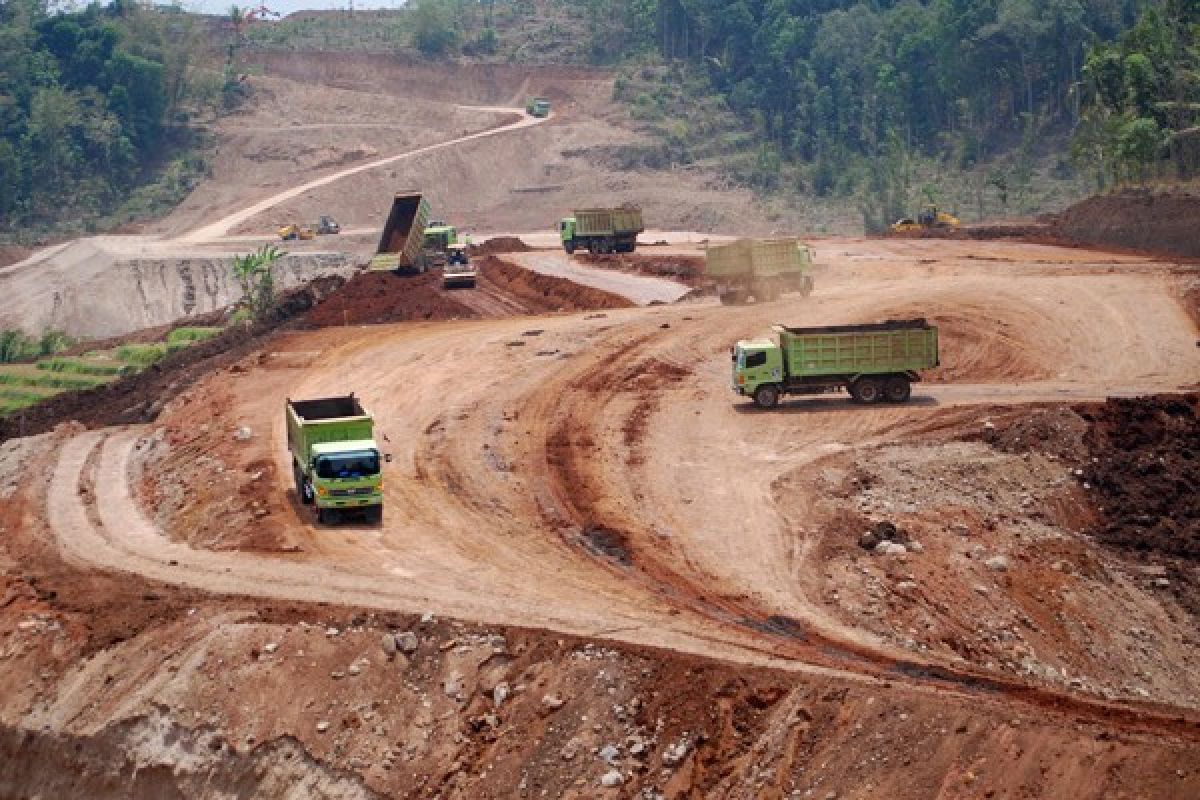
(866, 390)
(897, 389)
(303, 490)
(322, 517)
(374, 514)
(591, 247)
(766, 396)
(569, 247)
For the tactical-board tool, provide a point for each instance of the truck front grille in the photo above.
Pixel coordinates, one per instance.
(351, 492)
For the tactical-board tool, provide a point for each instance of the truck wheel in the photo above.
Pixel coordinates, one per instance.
(302, 489)
(766, 396)
(322, 517)
(374, 514)
(569, 247)
(897, 389)
(866, 390)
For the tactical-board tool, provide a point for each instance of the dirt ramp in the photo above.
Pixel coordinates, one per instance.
(539, 292)
(1139, 219)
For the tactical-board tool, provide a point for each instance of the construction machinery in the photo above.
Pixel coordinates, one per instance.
(327, 225)
(602, 230)
(538, 107)
(336, 464)
(401, 245)
(439, 235)
(873, 362)
(459, 271)
(759, 269)
(293, 231)
(928, 217)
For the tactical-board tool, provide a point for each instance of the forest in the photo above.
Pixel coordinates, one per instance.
(96, 112)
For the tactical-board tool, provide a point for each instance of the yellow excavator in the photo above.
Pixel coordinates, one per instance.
(929, 217)
(289, 232)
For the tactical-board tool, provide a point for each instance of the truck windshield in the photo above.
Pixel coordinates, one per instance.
(348, 465)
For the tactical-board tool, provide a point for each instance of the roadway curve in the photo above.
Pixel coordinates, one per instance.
(601, 480)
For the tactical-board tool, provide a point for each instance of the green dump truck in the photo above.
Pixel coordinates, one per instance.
(402, 243)
(759, 269)
(602, 230)
(538, 107)
(873, 362)
(335, 460)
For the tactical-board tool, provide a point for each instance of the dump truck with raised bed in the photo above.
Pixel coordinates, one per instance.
(402, 243)
(336, 463)
(874, 362)
(759, 269)
(601, 230)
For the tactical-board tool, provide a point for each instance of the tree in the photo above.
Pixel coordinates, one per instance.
(255, 274)
(434, 31)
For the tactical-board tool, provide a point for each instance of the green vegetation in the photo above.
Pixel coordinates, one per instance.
(24, 384)
(143, 355)
(182, 337)
(16, 346)
(82, 366)
(95, 112)
(255, 273)
(1141, 115)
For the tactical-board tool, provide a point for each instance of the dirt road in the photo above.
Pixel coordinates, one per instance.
(601, 479)
(220, 228)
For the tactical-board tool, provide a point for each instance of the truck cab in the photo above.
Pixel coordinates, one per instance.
(346, 475)
(566, 232)
(756, 362)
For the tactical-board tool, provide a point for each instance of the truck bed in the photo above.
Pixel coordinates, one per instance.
(845, 351)
(327, 408)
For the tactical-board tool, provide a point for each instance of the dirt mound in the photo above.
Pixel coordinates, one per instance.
(1140, 219)
(376, 297)
(139, 398)
(500, 244)
(688, 270)
(539, 292)
(1146, 468)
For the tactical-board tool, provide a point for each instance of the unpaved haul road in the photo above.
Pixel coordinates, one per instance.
(601, 479)
(220, 228)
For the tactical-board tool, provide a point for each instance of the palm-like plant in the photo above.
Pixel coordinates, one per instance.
(256, 277)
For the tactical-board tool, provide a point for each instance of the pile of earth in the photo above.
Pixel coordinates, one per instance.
(541, 293)
(1138, 219)
(1139, 465)
(688, 270)
(500, 244)
(1146, 468)
(377, 297)
(139, 398)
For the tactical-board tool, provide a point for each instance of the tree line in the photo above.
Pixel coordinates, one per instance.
(91, 103)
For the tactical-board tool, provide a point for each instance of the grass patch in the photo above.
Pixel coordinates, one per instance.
(22, 376)
(82, 367)
(184, 337)
(142, 355)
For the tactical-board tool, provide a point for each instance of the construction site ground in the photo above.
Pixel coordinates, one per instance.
(600, 573)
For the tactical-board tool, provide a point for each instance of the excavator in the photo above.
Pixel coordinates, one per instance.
(928, 217)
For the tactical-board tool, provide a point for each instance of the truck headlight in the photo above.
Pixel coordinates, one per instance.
(322, 491)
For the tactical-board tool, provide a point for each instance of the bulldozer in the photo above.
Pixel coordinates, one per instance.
(928, 217)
